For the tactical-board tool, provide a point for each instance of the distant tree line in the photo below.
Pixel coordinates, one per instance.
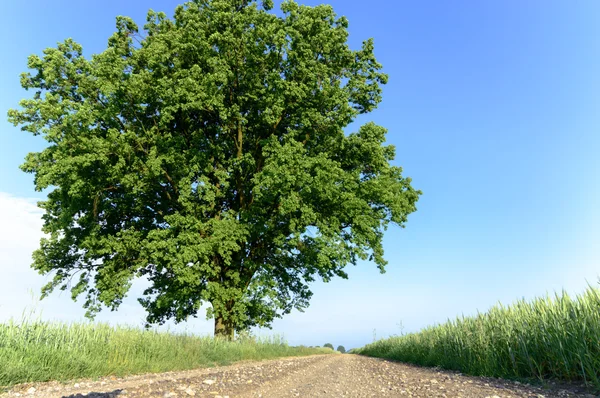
(340, 347)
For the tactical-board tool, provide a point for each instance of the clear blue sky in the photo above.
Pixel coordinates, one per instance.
(494, 111)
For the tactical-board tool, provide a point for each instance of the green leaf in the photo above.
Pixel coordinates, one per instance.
(207, 154)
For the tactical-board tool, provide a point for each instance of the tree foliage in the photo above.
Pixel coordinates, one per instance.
(206, 153)
(341, 349)
(328, 345)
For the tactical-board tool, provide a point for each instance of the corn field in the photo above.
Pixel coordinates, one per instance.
(547, 338)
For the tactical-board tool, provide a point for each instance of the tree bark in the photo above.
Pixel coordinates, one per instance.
(223, 329)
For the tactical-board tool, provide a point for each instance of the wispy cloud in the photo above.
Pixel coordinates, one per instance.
(21, 223)
(20, 234)
(342, 312)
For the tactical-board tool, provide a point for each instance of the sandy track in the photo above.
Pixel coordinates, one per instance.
(315, 376)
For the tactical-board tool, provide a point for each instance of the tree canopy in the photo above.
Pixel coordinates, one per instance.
(341, 349)
(206, 153)
(328, 345)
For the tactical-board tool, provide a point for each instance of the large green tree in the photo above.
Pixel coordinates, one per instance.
(206, 153)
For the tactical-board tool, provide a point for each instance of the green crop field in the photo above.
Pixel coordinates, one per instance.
(548, 338)
(41, 351)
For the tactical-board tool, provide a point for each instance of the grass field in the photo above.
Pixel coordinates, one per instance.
(41, 351)
(547, 338)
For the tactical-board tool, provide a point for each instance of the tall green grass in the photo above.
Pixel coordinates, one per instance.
(40, 351)
(546, 338)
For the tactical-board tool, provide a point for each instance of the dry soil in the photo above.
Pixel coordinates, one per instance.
(314, 376)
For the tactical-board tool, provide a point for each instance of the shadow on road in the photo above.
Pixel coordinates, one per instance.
(92, 394)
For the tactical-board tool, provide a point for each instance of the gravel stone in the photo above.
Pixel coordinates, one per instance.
(341, 375)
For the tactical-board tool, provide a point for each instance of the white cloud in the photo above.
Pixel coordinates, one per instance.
(345, 312)
(20, 222)
(20, 233)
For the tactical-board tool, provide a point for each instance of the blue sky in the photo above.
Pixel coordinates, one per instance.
(493, 108)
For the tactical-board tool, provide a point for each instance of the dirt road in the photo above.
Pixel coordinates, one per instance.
(315, 376)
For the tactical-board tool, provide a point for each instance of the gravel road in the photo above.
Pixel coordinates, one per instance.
(314, 376)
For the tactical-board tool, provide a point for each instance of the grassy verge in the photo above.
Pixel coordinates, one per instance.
(42, 351)
(547, 338)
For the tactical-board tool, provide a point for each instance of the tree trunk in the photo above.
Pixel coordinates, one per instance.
(223, 329)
